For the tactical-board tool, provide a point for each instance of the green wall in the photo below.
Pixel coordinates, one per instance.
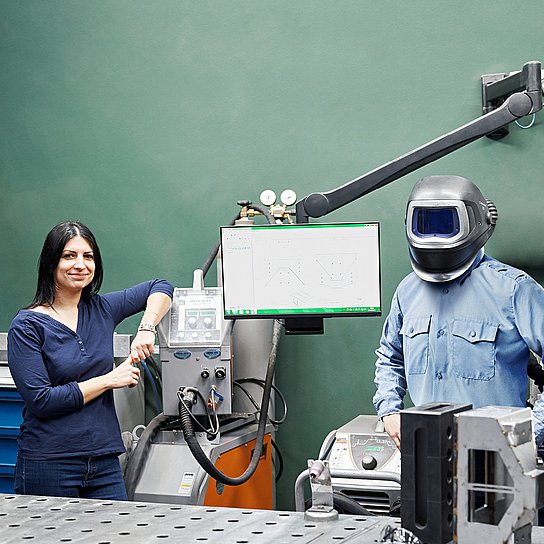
(148, 120)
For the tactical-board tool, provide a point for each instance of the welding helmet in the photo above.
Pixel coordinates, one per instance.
(448, 221)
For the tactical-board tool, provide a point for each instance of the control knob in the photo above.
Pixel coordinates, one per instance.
(192, 322)
(369, 462)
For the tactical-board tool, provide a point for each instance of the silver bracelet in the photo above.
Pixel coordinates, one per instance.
(147, 327)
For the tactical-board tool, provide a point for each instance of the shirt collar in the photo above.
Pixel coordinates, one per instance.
(477, 260)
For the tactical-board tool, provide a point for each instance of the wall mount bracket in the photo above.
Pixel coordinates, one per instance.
(496, 88)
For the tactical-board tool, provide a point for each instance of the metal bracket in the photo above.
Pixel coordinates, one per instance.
(488, 105)
(322, 508)
(496, 88)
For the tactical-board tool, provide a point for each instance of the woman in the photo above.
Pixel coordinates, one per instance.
(60, 353)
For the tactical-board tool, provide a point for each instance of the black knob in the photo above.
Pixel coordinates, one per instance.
(205, 373)
(220, 372)
(369, 462)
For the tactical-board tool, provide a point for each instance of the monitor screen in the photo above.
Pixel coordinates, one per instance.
(314, 269)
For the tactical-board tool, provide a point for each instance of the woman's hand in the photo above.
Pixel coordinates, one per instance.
(125, 374)
(142, 346)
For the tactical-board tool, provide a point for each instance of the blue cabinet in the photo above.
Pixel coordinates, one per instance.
(11, 407)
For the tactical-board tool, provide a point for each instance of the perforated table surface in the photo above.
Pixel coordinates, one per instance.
(48, 520)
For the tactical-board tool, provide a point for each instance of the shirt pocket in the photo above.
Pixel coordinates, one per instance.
(415, 333)
(473, 349)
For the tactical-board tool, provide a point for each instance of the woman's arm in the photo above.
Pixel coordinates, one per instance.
(142, 345)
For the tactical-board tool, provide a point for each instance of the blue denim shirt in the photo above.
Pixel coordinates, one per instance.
(463, 341)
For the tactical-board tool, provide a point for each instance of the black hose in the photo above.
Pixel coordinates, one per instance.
(213, 253)
(139, 455)
(194, 446)
(265, 212)
(260, 383)
(279, 457)
(344, 505)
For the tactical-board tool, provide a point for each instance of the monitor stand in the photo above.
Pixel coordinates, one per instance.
(304, 325)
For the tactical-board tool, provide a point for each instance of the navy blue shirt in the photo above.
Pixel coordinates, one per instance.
(47, 360)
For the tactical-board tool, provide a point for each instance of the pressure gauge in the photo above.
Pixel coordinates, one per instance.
(268, 197)
(288, 197)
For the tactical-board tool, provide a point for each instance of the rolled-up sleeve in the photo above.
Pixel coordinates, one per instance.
(29, 372)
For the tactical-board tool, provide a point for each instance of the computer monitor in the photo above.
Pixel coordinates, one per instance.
(305, 270)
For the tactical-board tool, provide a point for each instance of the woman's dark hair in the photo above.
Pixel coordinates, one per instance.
(50, 256)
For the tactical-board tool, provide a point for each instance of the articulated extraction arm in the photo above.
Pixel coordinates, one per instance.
(516, 105)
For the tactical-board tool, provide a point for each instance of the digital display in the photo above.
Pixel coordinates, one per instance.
(314, 269)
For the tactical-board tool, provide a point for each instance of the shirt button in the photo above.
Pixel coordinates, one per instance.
(472, 334)
(439, 375)
(446, 291)
(411, 329)
(440, 332)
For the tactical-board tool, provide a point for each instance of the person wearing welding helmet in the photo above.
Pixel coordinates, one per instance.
(462, 324)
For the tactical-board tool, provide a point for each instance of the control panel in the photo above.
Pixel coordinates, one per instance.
(196, 317)
(359, 446)
(195, 351)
